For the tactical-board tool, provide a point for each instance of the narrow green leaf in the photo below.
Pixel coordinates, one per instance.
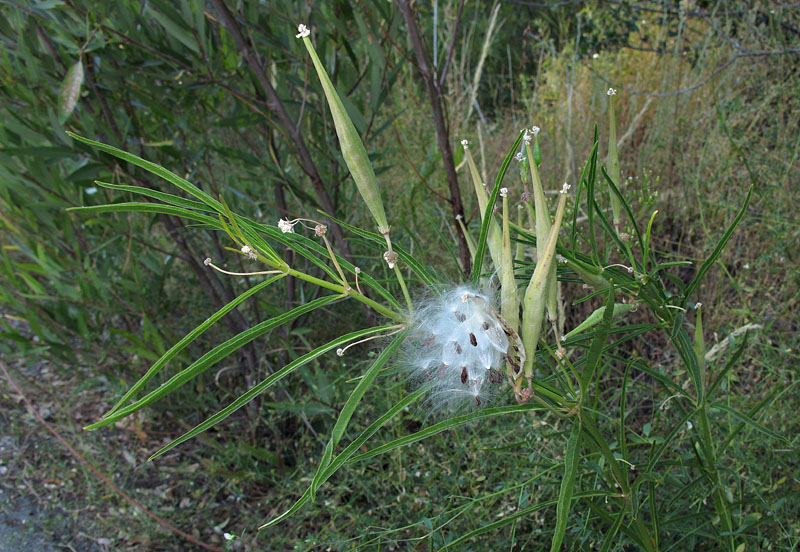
(444, 426)
(191, 336)
(728, 365)
(511, 518)
(625, 205)
(699, 341)
(350, 407)
(665, 444)
(583, 182)
(140, 207)
(567, 486)
(595, 355)
(709, 262)
(612, 160)
(213, 356)
(266, 384)
(488, 213)
(591, 178)
(149, 192)
(608, 541)
(597, 316)
(351, 449)
(685, 347)
(176, 30)
(157, 170)
(603, 514)
(748, 421)
(502, 522)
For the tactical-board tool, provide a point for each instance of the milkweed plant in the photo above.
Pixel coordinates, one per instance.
(494, 344)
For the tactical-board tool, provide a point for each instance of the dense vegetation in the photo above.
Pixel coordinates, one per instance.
(225, 96)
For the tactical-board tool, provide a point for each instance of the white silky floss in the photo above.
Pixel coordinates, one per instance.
(457, 345)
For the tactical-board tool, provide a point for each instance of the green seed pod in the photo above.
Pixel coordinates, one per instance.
(542, 230)
(353, 151)
(509, 296)
(612, 161)
(519, 252)
(588, 274)
(470, 242)
(597, 316)
(535, 296)
(699, 340)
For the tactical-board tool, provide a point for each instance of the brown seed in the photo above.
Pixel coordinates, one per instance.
(495, 376)
(429, 341)
(440, 371)
(460, 316)
(477, 401)
(459, 350)
(485, 325)
(464, 375)
(473, 340)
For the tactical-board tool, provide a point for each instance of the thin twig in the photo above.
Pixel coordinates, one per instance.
(451, 48)
(438, 106)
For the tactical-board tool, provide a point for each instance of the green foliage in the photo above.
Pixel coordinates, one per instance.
(138, 142)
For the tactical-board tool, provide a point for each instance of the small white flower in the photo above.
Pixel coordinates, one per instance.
(247, 250)
(302, 31)
(611, 92)
(503, 192)
(320, 230)
(357, 270)
(689, 425)
(535, 130)
(746, 266)
(698, 305)
(527, 137)
(286, 226)
(519, 157)
(207, 261)
(340, 352)
(565, 188)
(595, 55)
(465, 144)
(561, 259)
(229, 537)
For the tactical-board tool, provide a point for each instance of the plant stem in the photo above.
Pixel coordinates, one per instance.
(404, 288)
